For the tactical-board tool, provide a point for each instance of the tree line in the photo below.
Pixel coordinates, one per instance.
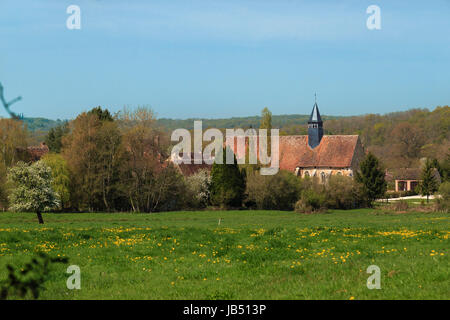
(104, 162)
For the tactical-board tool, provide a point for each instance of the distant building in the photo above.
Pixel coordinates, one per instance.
(316, 155)
(33, 153)
(319, 155)
(407, 179)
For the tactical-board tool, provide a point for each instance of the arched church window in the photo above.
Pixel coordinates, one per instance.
(306, 174)
(339, 173)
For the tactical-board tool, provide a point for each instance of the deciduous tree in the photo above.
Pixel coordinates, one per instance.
(149, 182)
(32, 189)
(60, 176)
(93, 154)
(13, 138)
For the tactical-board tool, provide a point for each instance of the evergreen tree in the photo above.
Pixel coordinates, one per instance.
(428, 184)
(54, 137)
(227, 183)
(371, 176)
(102, 115)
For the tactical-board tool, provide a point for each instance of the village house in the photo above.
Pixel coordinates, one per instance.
(407, 179)
(33, 153)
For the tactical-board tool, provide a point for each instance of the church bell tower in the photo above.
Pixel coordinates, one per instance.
(315, 127)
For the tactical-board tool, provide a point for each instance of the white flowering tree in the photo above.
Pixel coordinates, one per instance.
(199, 184)
(32, 189)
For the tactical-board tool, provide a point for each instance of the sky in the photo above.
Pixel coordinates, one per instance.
(228, 58)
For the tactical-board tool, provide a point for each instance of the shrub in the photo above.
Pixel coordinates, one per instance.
(30, 278)
(409, 193)
(3, 191)
(340, 192)
(443, 203)
(400, 205)
(343, 193)
(311, 201)
(393, 194)
(273, 192)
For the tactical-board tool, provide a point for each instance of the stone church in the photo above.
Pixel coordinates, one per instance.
(319, 155)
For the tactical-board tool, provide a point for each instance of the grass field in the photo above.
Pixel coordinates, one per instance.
(250, 255)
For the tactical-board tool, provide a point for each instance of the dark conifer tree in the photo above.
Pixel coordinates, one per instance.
(54, 137)
(428, 184)
(371, 176)
(103, 115)
(227, 183)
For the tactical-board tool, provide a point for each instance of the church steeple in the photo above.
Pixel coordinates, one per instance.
(315, 127)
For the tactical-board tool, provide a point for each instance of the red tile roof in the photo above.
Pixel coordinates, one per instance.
(412, 174)
(36, 153)
(335, 151)
(33, 153)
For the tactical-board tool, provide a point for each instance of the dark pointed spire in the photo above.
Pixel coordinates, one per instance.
(315, 114)
(315, 126)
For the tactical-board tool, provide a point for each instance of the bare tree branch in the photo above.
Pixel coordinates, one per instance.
(6, 105)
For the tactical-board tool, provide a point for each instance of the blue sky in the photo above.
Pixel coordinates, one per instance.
(224, 58)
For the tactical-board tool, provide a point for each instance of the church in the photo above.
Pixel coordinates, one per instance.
(319, 155)
(312, 155)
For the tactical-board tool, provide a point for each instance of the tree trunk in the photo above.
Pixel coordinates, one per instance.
(39, 216)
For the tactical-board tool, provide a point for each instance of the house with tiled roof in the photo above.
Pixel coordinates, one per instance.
(407, 179)
(33, 153)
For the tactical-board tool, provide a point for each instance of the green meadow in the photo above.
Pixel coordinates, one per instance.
(235, 254)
